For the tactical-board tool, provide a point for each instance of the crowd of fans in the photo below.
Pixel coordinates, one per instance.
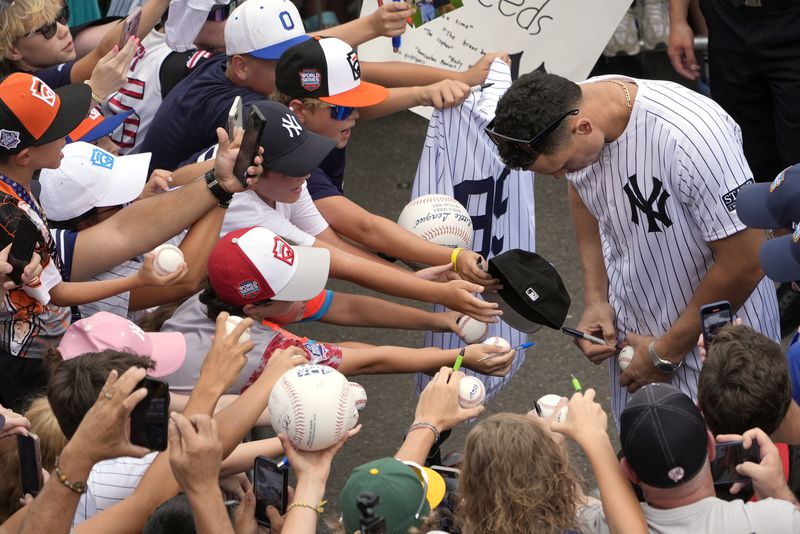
(97, 141)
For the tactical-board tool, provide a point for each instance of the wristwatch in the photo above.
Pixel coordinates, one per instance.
(665, 366)
(222, 196)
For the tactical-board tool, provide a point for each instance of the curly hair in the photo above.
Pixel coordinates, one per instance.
(533, 102)
(515, 478)
(22, 17)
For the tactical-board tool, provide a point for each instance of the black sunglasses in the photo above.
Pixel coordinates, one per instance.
(49, 30)
(526, 146)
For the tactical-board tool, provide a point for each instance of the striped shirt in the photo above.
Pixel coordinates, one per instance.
(459, 160)
(660, 193)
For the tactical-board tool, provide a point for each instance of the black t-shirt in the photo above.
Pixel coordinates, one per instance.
(55, 76)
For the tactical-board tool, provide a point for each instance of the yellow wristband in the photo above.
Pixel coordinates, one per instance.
(454, 258)
(318, 509)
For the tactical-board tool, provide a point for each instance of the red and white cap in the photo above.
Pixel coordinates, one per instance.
(106, 331)
(253, 265)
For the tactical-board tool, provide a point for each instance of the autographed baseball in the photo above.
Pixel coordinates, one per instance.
(499, 341)
(313, 405)
(548, 403)
(625, 357)
(439, 219)
(359, 395)
(471, 392)
(167, 259)
(474, 330)
(230, 325)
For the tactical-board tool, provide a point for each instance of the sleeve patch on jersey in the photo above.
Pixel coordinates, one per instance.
(729, 198)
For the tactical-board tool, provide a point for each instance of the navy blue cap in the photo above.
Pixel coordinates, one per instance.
(780, 257)
(774, 205)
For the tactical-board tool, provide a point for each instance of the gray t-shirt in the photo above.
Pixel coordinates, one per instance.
(712, 515)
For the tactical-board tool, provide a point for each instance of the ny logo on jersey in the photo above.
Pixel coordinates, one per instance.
(283, 251)
(292, 126)
(653, 207)
(42, 91)
(355, 66)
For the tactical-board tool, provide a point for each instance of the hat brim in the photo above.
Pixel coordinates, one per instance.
(106, 126)
(169, 352)
(510, 315)
(310, 277)
(777, 260)
(274, 52)
(304, 158)
(752, 208)
(437, 488)
(366, 94)
(128, 178)
(75, 100)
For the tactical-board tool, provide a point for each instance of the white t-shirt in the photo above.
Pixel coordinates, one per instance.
(298, 222)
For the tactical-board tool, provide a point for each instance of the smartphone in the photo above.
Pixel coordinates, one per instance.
(30, 464)
(729, 455)
(271, 487)
(150, 417)
(235, 119)
(248, 150)
(23, 245)
(130, 26)
(450, 476)
(713, 317)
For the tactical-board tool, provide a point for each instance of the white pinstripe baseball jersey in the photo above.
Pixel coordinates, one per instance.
(460, 161)
(660, 193)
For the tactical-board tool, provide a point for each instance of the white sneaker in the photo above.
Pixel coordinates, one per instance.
(625, 40)
(655, 23)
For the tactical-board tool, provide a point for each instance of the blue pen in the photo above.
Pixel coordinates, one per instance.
(518, 347)
(396, 41)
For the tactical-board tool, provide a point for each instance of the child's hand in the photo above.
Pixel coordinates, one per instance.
(478, 72)
(444, 94)
(447, 321)
(489, 359)
(147, 275)
(390, 20)
(157, 183)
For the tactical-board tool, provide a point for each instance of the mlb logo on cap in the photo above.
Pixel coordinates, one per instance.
(263, 29)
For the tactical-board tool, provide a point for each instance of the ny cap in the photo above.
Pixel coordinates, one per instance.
(773, 205)
(328, 69)
(263, 29)
(32, 114)
(107, 331)
(663, 436)
(95, 126)
(89, 177)
(533, 293)
(253, 265)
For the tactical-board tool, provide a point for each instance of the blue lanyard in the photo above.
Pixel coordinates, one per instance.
(20, 191)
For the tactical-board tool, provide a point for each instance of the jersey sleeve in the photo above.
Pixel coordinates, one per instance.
(57, 76)
(317, 307)
(306, 216)
(711, 170)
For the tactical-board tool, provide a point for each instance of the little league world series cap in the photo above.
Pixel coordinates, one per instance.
(328, 69)
(253, 264)
(663, 436)
(95, 126)
(773, 205)
(89, 177)
(32, 114)
(288, 147)
(104, 331)
(263, 29)
(533, 293)
(401, 489)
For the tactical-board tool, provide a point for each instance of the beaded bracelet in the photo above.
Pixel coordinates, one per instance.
(454, 258)
(77, 487)
(425, 425)
(318, 509)
(96, 98)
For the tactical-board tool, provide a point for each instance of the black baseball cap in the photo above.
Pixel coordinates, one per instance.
(533, 293)
(32, 114)
(288, 147)
(663, 436)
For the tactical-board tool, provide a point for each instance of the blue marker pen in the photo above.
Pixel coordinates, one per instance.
(396, 41)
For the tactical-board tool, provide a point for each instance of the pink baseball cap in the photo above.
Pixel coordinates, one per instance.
(106, 331)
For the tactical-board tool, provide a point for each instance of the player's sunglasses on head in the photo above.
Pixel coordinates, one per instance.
(522, 144)
(49, 30)
(339, 113)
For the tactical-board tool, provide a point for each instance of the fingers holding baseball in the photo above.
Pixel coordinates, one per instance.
(152, 275)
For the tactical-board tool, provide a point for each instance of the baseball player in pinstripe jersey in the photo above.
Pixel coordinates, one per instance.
(653, 171)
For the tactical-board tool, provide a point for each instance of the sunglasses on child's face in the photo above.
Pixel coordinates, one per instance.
(339, 113)
(49, 30)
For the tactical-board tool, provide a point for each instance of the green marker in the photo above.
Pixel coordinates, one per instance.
(576, 384)
(459, 359)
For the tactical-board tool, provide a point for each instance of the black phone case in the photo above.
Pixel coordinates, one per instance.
(150, 417)
(262, 463)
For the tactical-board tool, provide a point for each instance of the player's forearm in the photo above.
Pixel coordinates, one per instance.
(402, 74)
(392, 360)
(75, 293)
(243, 456)
(587, 232)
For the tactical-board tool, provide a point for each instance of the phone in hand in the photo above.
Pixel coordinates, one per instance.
(23, 245)
(271, 487)
(30, 464)
(713, 317)
(728, 456)
(150, 417)
(235, 118)
(248, 150)
(130, 26)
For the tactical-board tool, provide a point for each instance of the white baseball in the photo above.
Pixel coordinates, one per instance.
(313, 405)
(230, 325)
(439, 219)
(471, 392)
(473, 330)
(547, 403)
(499, 341)
(167, 259)
(625, 357)
(359, 395)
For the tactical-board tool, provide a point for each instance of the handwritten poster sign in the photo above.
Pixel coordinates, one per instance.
(566, 36)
